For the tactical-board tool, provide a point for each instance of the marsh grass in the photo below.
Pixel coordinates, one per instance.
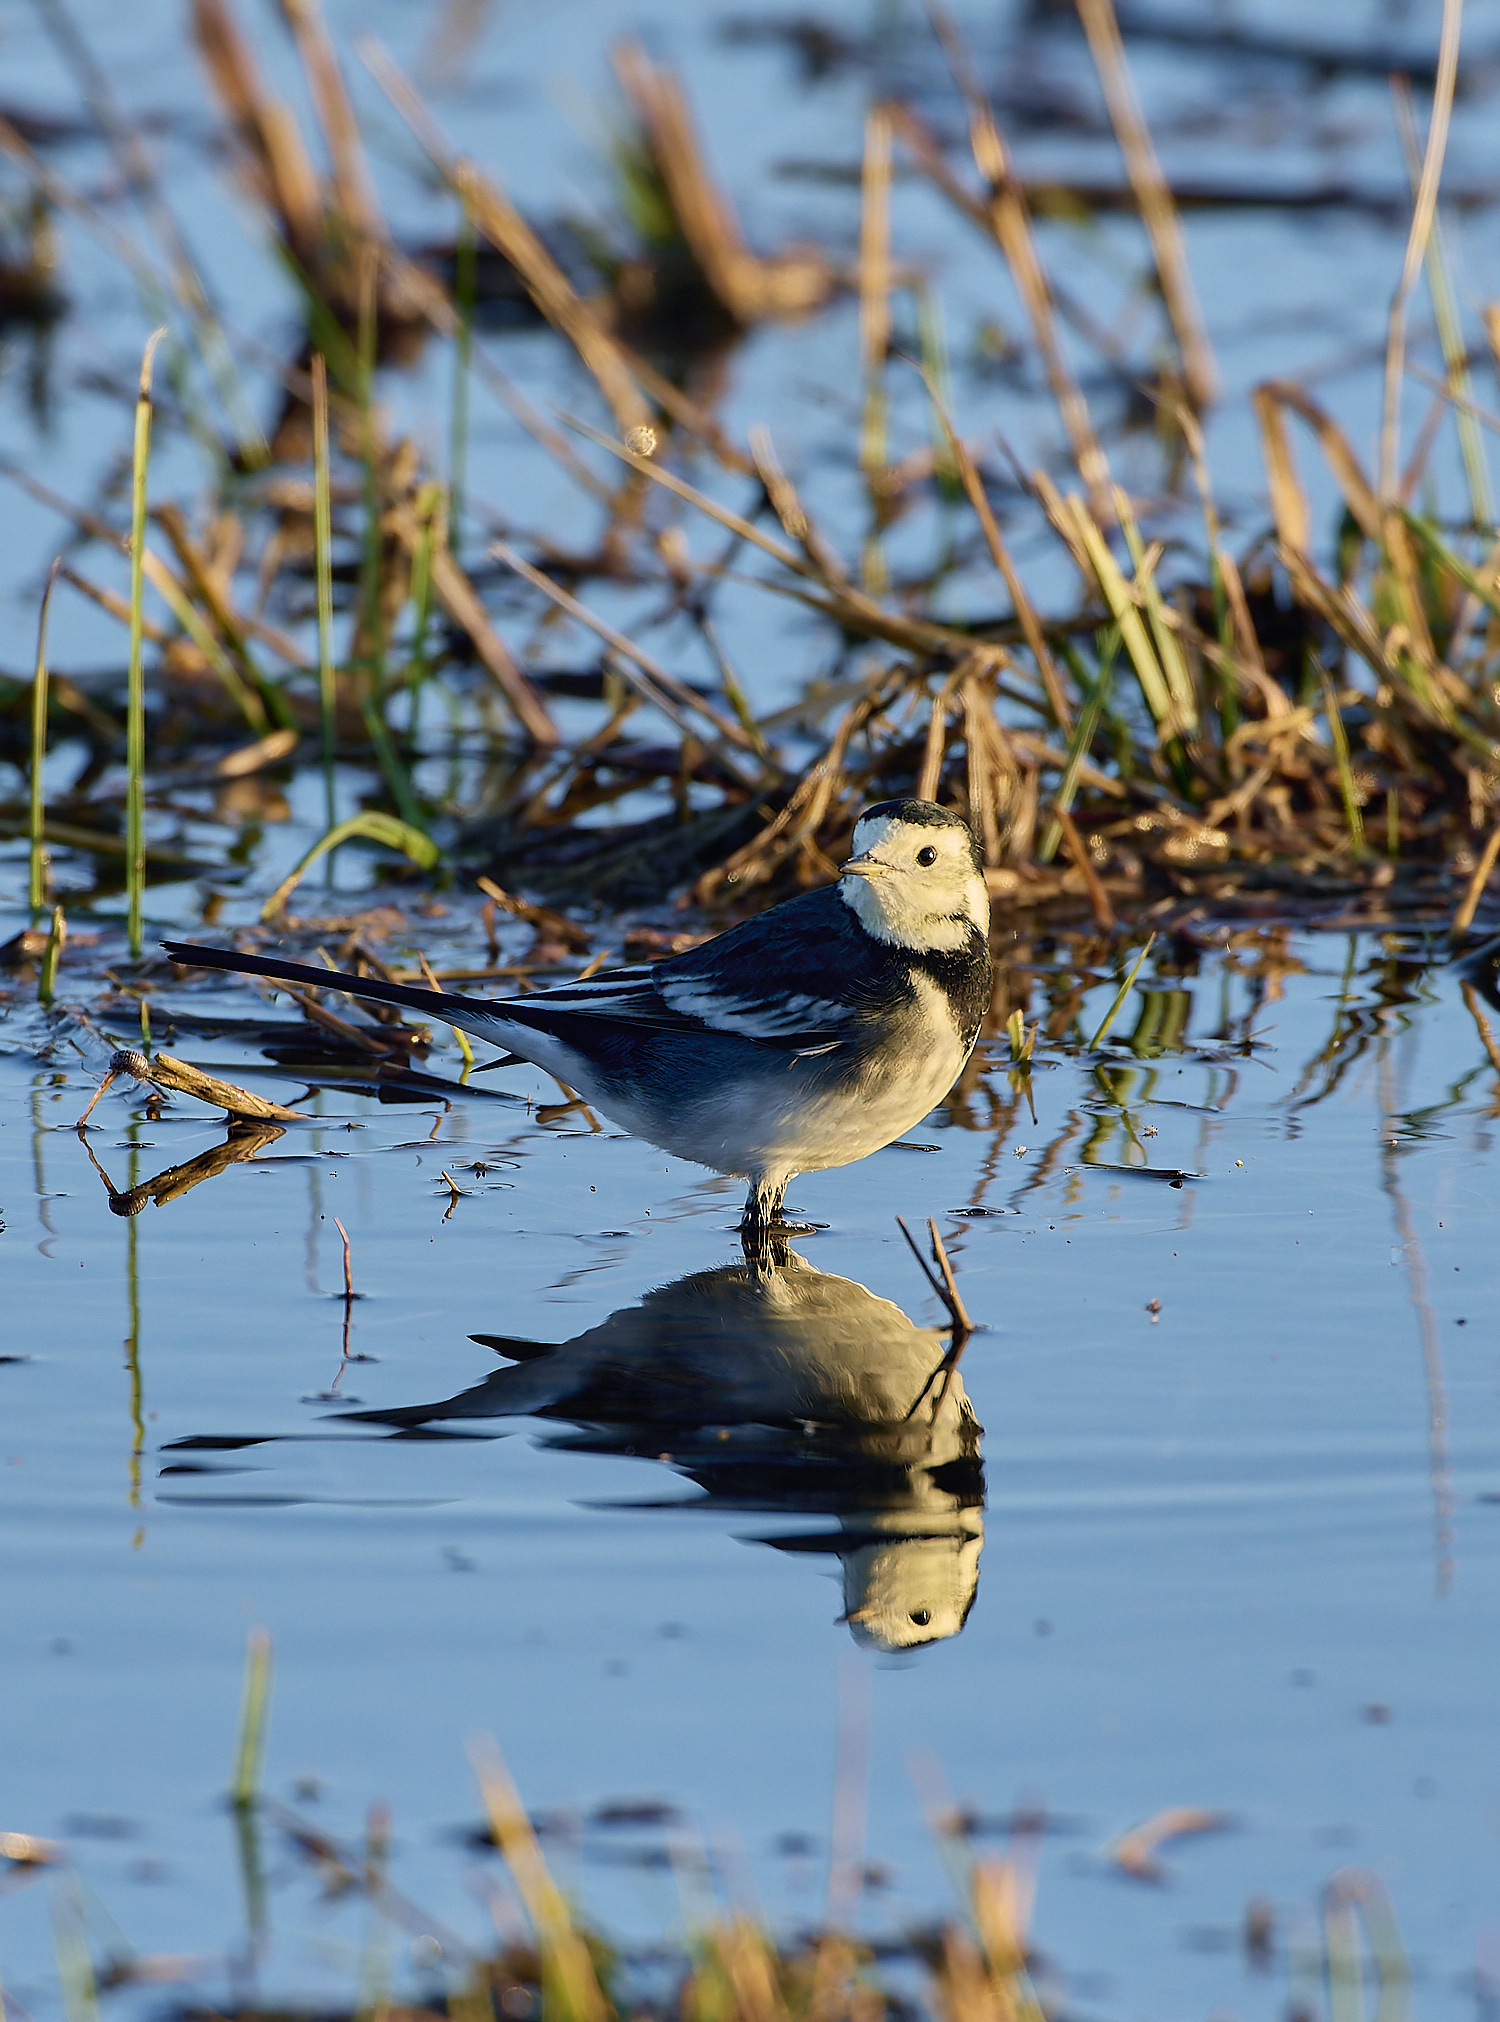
(323, 566)
(982, 1965)
(255, 1707)
(51, 956)
(1195, 725)
(135, 698)
(37, 812)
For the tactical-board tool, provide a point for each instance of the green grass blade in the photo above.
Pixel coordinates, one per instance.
(75, 1970)
(1078, 747)
(255, 1704)
(375, 827)
(38, 880)
(135, 703)
(1120, 995)
(323, 563)
(396, 777)
(51, 956)
(465, 289)
(1340, 738)
(369, 317)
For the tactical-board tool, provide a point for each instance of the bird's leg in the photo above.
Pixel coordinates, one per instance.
(763, 1228)
(763, 1207)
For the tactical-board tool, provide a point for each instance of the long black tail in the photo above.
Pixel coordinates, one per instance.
(442, 1004)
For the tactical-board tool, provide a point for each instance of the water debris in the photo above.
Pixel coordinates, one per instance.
(349, 1291)
(945, 1287)
(1134, 1852)
(162, 1071)
(27, 1850)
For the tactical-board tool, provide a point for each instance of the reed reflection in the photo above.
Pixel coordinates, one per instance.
(778, 1389)
(244, 1141)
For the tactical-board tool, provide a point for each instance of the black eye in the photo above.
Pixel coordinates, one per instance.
(922, 1616)
(927, 856)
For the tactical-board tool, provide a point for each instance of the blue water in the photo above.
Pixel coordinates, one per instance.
(1238, 1435)
(1236, 1553)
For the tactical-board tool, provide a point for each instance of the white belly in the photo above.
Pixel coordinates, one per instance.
(822, 1122)
(785, 1114)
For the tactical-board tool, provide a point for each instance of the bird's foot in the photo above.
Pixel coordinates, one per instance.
(765, 1230)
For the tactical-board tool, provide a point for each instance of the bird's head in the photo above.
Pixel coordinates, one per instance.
(916, 877)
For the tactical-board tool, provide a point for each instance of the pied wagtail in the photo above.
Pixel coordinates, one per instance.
(804, 1038)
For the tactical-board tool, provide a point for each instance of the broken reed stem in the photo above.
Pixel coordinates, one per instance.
(1104, 912)
(1463, 919)
(1025, 611)
(465, 289)
(945, 1287)
(429, 509)
(51, 956)
(250, 1745)
(369, 307)
(135, 699)
(323, 562)
(163, 1071)
(1423, 211)
(1450, 329)
(95, 1099)
(568, 1971)
(1339, 736)
(663, 690)
(349, 1291)
(1119, 998)
(961, 1322)
(37, 887)
(1154, 196)
(457, 1030)
(874, 285)
(1079, 746)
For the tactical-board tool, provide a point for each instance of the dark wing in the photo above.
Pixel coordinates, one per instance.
(800, 977)
(797, 978)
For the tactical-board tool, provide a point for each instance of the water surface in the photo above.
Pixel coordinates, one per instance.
(1240, 1551)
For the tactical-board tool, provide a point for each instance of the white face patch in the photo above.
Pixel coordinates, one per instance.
(928, 907)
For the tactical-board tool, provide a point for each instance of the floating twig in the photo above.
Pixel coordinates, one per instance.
(1135, 1851)
(162, 1071)
(945, 1286)
(349, 1291)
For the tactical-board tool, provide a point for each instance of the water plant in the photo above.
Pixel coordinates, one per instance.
(1195, 723)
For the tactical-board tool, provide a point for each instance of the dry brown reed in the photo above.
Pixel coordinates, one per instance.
(1192, 726)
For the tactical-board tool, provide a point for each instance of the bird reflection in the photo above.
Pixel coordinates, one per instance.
(777, 1388)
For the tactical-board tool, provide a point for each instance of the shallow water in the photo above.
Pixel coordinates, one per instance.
(1243, 1552)
(1230, 1511)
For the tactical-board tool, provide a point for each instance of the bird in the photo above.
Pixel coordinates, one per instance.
(804, 1038)
(778, 1389)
